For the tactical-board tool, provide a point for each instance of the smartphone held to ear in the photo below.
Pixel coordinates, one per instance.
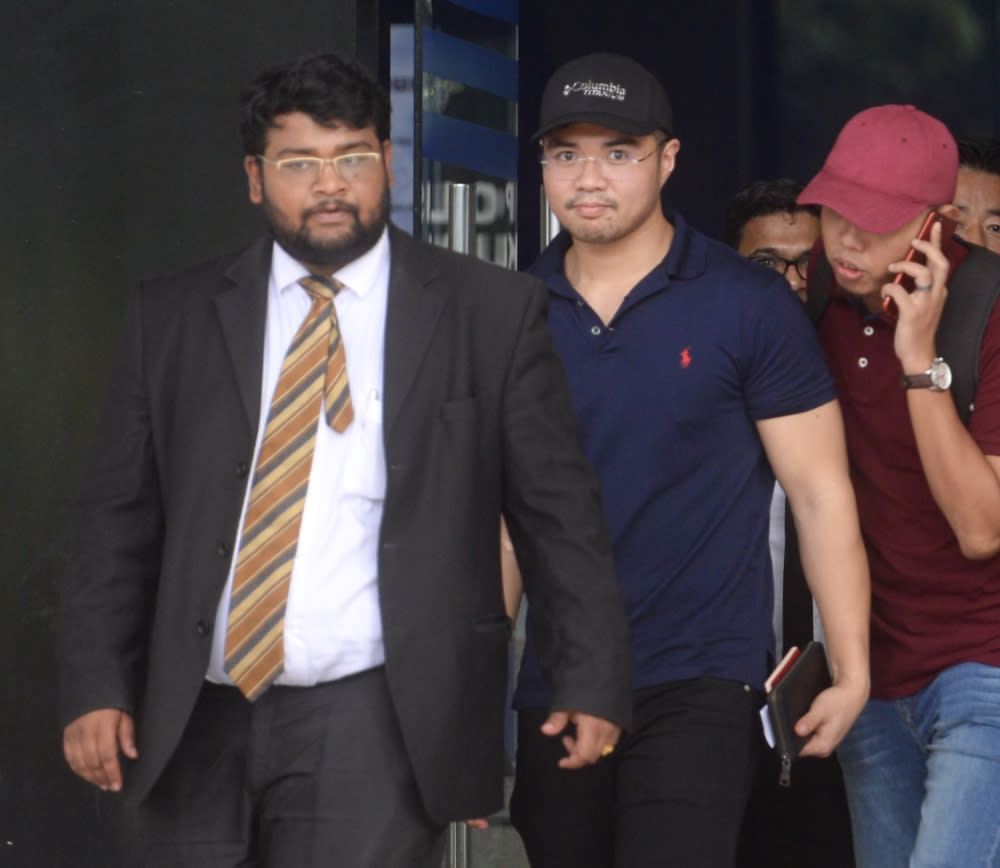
(905, 280)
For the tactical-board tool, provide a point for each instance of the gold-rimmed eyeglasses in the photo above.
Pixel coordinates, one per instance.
(568, 165)
(307, 170)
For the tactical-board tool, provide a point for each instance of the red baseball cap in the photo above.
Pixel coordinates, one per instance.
(889, 164)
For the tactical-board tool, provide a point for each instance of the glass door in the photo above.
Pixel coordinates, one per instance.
(465, 124)
(454, 83)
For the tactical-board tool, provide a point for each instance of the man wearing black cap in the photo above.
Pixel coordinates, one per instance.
(691, 370)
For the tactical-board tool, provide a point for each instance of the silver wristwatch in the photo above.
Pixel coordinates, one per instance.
(937, 377)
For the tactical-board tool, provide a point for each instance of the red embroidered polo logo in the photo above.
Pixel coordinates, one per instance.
(686, 357)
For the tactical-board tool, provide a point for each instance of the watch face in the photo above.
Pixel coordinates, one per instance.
(940, 375)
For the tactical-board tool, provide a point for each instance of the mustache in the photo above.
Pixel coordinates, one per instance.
(331, 205)
(591, 199)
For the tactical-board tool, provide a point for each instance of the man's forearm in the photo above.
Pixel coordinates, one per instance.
(962, 479)
(836, 568)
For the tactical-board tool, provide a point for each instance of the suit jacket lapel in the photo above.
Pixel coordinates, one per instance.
(242, 308)
(413, 311)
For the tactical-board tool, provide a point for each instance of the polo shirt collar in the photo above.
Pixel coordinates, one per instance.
(686, 259)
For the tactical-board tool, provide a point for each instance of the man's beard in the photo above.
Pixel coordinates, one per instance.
(334, 253)
(601, 232)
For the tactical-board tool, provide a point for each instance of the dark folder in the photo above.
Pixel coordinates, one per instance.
(790, 697)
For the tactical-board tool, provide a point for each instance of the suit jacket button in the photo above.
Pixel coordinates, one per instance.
(242, 469)
(202, 628)
(222, 550)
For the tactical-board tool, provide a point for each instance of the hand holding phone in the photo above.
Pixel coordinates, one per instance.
(913, 255)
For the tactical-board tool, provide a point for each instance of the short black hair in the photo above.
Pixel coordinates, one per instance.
(759, 199)
(981, 153)
(331, 89)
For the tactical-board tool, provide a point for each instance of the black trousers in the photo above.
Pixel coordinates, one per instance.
(303, 777)
(672, 794)
(806, 825)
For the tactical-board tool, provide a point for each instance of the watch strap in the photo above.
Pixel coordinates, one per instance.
(917, 381)
(937, 377)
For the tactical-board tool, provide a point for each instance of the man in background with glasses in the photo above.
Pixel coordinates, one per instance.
(692, 373)
(285, 606)
(765, 224)
(806, 823)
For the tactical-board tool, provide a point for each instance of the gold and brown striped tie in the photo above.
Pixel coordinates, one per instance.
(314, 366)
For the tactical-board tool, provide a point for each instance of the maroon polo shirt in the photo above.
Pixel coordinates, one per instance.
(931, 607)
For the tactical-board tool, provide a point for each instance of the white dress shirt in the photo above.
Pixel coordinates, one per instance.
(776, 538)
(333, 626)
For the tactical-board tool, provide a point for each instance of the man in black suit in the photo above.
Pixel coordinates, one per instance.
(384, 720)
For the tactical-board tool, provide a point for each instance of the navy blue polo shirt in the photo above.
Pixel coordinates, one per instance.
(667, 396)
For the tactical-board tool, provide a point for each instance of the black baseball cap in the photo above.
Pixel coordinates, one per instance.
(605, 89)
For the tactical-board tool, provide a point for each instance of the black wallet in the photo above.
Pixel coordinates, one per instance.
(790, 697)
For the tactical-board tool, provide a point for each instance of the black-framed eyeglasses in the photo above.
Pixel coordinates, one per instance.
(781, 265)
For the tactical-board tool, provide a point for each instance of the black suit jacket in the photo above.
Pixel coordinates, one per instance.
(477, 421)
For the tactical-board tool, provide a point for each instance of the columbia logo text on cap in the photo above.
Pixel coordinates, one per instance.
(605, 89)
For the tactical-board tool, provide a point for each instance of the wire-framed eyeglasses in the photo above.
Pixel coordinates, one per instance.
(616, 163)
(307, 170)
(781, 265)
